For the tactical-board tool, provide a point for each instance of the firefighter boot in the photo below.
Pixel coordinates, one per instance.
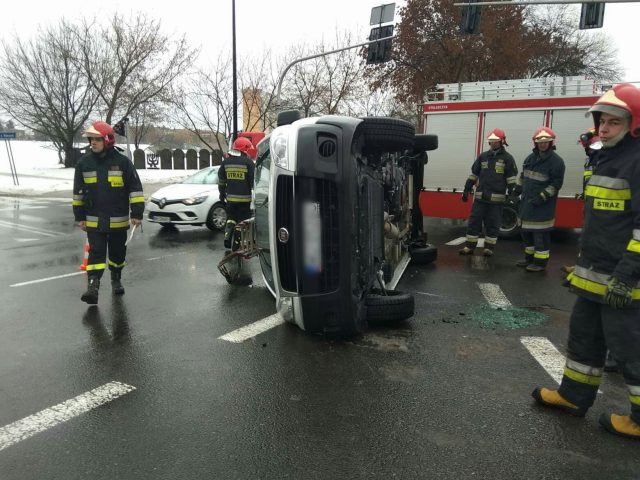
(468, 248)
(534, 267)
(551, 398)
(488, 251)
(528, 260)
(621, 425)
(91, 295)
(116, 285)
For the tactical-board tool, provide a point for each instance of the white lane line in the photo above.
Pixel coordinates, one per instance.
(50, 417)
(256, 328)
(461, 240)
(162, 257)
(546, 354)
(11, 209)
(46, 279)
(27, 228)
(457, 241)
(494, 295)
(23, 240)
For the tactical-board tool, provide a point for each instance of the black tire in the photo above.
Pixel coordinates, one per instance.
(424, 142)
(288, 117)
(383, 134)
(393, 307)
(217, 217)
(510, 221)
(423, 254)
(167, 225)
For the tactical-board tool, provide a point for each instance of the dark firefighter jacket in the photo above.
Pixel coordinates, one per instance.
(495, 170)
(542, 172)
(610, 241)
(235, 178)
(106, 187)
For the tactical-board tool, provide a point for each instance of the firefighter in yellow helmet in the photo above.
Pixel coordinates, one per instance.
(607, 275)
(495, 173)
(107, 198)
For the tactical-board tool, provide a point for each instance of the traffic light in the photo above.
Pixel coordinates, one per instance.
(380, 52)
(591, 15)
(470, 18)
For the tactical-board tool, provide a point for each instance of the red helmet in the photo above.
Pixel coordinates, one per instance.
(544, 134)
(622, 100)
(588, 138)
(498, 134)
(245, 146)
(104, 130)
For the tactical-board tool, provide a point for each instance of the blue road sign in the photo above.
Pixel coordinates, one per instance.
(7, 135)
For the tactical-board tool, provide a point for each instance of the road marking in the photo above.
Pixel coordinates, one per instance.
(11, 209)
(164, 256)
(494, 295)
(256, 328)
(22, 240)
(41, 231)
(50, 417)
(546, 354)
(46, 279)
(461, 240)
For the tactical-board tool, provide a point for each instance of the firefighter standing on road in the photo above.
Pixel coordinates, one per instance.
(607, 276)
(235, 183)
(495, 172)
(540, 181)
(107, 197)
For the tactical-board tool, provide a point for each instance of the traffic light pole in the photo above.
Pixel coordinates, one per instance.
(304, 59)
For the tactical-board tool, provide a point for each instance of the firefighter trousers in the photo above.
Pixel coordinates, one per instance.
(593, 328)
(536, 247)
(489, 214)
(101, 243)
(236, 213)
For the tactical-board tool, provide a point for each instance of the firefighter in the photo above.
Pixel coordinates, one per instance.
(107, 197)
(607, 275)
(591, 143)
(539, 183)
(235, 183)
(496, 173)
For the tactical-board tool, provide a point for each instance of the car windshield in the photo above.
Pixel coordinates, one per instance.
(207, 176)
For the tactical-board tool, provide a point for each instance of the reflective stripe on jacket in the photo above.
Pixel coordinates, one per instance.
(610, 241)
(106, 191)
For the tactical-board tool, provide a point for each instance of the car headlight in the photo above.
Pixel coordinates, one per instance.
(279, 147)
(195, 200)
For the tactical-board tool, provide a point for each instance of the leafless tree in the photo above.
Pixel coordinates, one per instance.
(43, 89)
(130, 62)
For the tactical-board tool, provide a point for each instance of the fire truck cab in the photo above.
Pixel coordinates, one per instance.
(462, 115)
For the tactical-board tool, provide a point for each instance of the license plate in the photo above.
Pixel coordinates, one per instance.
(162, 219)
(312, 237)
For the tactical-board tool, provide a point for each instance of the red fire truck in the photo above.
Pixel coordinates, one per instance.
(462, 114)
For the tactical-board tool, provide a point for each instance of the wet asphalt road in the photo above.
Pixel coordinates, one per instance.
(444, 395)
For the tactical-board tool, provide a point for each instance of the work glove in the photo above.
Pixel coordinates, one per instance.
(539, 199)
(465, 196)
(618, 293)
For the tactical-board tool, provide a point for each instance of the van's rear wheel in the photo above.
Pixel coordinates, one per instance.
(383, 134)
(390, 306)
(510, 226)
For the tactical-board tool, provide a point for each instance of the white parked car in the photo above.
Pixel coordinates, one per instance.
(194, 201)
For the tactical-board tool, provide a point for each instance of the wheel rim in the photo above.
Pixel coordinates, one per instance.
(219, 217)
(509, 220)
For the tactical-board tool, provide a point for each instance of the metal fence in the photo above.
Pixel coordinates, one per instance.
(176, 159)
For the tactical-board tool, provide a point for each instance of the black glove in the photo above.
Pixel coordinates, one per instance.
(465, 196)
(618, 293)
(539, 199)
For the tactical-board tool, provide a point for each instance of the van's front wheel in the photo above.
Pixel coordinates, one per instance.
(510, 225)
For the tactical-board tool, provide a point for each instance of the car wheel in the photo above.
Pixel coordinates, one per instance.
(510, 226)
(392, 307)
(217, 217)
(382, 134)
(423, 253)
(167, 225)
(424, 142)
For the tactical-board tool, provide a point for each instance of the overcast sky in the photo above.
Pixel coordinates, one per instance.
(275, 24)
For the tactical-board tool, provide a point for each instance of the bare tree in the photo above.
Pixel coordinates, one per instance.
(130, 62)
(42, 87)
(142, 118)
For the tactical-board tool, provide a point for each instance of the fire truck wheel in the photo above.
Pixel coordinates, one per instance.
(510, 226)
(423, 254)
(393, 307)
(382, 134)
(424, 142)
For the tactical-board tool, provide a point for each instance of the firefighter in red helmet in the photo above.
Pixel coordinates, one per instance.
(235, 183)
(607, 275)
(539, 183)
(107, 198)
(495, 173)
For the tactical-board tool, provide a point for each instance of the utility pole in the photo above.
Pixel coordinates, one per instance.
(235, 74)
